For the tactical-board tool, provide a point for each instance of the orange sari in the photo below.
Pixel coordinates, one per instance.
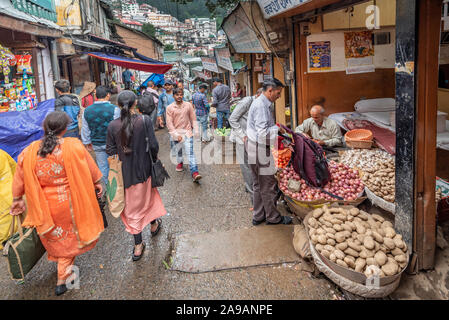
(61, 199)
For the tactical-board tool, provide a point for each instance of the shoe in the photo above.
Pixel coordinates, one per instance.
(137, 258)
(256, 223)
(284, 220)
(159, 224)
(179, 167)
(196, 176)
(61, 289)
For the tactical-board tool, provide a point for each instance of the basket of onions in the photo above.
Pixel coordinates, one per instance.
(345, 183)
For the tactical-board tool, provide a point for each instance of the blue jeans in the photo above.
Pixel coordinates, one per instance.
(187, 145)
(220, 115)
(102, 162)
(203, 121)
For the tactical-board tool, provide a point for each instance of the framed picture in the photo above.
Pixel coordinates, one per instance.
(259, 56)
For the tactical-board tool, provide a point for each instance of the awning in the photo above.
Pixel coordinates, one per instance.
(87, 44)
(156, 78)
(154, 67)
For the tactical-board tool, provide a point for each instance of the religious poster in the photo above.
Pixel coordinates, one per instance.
(359, 44)
(320, 56)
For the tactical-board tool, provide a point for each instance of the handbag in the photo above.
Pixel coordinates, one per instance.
(158, 172)
(115, 189)
(24, 249)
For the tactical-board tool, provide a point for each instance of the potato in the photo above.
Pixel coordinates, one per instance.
(320, 231)
(329, 248)
(312, 231)
(360, 237)
(368, 243)
(322, 239)
(351, 224)
(330, 236)
(354, 212)
(390, 269)
(381, 258)
(350, 261)
(365, 253)
(314, 239)
(384, 249)
(331, 242)
(381, 232)
(399, 243)
(389, 232)
(377, 237)
(347, 234)
(360, 228)
(397, 252)
(402, 265)
(338, 227)
(368, 232)
(354, 246)
(376, 246)
(342, 246)
(397, 236)
(342, 263)
(372, 224)
(360, 263)
(340, 216)
(340, 237)
(325, 253)
(389, 243)
(350, 218)
(328, 224)
(378, 218)
(339, 254)
(363, 215)
(386, 224)
(332, 257)
(312, 222)
(317, 213)
(352, 252)
(401, 258)
(371, 262)
(346, 227)
(334, 210)
(319, 247)
(357, 242)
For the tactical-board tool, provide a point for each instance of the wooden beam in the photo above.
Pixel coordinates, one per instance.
(427, 106)
(26, 27)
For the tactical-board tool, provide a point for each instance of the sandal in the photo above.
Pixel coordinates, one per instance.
(159, 223)
(137, 258)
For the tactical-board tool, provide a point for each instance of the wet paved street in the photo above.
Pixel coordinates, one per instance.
(218, 203)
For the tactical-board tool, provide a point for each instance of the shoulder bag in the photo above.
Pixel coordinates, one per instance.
(158, 172)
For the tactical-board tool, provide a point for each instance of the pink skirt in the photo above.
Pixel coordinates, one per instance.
(143, 204)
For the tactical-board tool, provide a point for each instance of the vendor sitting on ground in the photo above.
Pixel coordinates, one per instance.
(323, 130)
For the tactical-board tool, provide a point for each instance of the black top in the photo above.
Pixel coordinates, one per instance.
(136, 166)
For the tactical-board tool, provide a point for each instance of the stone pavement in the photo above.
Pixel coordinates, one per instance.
(218, 203)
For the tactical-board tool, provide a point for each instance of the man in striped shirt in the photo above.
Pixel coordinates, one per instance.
(202, 110)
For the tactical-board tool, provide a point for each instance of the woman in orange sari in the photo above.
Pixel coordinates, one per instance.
(59, 177)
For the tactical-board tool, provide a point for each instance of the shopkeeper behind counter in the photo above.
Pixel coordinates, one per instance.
(320, 128)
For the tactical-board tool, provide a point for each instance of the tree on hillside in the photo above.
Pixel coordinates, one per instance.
(149, 29)
(169, 47)
(214, 6)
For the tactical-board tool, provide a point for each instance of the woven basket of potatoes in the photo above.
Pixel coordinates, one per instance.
(356, 244)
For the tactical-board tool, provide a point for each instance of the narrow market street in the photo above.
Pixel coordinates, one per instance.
(218, 203)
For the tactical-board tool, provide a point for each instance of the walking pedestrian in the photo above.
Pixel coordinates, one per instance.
(126, 77)
(127, 139)
(181, 124)
(238, 122)
(70, 104)
(261, 133)
(187, 94)
(222, 101)
(152, 92)
(202, 111)
(96, 119)
(59, 179)
(165, 99)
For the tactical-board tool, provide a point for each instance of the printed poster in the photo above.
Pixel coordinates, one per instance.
(359, 44)
(320, 56)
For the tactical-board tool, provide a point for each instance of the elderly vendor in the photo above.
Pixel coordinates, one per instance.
(323, 130)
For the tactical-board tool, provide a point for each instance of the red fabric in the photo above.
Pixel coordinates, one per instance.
(133, 64)
(88, 101)
(385, 138)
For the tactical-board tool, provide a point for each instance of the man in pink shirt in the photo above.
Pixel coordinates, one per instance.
(181, 124)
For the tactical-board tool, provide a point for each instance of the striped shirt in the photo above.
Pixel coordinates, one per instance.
(200, 103)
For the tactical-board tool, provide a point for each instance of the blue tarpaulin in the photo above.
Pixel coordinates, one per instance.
(19, 129)
(156, 78)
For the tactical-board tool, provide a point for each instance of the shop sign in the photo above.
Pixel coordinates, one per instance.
(241, 36)
(68, 13)
(271, 8)
(210, 64)
(224, 58)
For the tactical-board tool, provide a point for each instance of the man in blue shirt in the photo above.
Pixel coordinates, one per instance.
(126, 77)
(96, 119)
(165, 99)
(70, 104)
(202, 110)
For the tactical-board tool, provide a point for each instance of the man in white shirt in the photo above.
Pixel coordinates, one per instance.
(323, 130)
(261, 134)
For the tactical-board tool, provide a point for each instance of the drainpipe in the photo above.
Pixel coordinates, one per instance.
(54, 59)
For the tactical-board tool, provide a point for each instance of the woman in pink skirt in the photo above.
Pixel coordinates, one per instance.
(126, 137)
